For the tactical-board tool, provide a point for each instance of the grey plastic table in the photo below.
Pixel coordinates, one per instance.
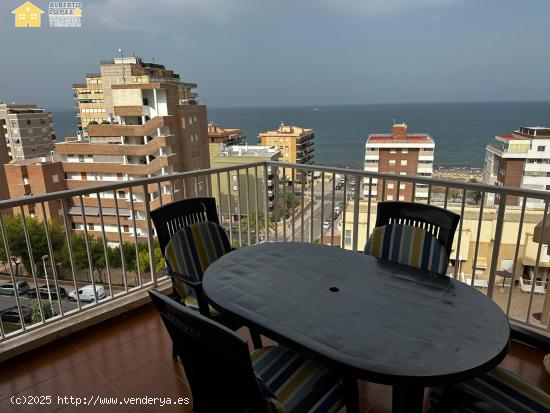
(377, 321)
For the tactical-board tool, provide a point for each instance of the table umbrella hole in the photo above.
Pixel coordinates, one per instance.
(334, 289)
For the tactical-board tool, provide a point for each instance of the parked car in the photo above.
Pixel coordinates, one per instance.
(43, 289)
(12, 314)
(86, 293)
(7, 288)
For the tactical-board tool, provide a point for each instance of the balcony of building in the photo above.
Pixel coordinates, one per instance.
(116, 345)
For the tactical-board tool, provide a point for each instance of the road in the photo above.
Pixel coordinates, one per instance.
(319, 204)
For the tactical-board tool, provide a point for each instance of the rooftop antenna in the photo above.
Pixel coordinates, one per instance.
(122, 56)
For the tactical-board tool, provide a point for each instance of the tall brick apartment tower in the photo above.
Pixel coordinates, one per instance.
(398, 153)
(137, 120)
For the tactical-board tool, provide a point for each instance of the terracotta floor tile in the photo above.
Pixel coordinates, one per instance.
(150, 379)
(119, 361)
(13, 378)
(50, 360)
(94, 343)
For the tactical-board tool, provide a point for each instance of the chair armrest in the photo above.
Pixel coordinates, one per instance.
(182, 277)
(204, 308)
(530, 338)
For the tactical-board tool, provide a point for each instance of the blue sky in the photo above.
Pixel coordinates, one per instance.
(301, 52)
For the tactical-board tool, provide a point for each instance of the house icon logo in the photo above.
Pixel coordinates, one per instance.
(27, 15)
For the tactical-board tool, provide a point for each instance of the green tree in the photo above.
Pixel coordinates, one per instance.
(144, 258)
(475, 196)
(47, 308)
(37, 235)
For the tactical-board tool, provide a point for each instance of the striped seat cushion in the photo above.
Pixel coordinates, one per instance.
(191, 250)
(408, 245)
(503, 391)
(191, 301)
(294, 383)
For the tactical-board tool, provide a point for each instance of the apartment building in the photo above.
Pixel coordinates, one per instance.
(234, 191)
(150, 125)
(28, 131)
(32, 177)
(296, 143)
(226, 136)
(398, 153)
(521, 160)
(4, 159)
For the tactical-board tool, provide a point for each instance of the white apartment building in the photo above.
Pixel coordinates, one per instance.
(520, 160)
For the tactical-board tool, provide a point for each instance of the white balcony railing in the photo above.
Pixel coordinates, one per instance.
(306, 203)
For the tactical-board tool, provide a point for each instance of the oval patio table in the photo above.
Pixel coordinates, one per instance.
(374, 320)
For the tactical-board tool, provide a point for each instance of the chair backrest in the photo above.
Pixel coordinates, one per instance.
(170, 218)
(216, 361)
(408, 245)
(438, 221)
(193, 248)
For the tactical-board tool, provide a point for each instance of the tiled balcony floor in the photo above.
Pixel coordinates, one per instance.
(131, 356)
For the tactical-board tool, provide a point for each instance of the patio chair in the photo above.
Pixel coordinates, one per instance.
(496, 391)
(427, 232)
(527, 285)
(225, 377)
(478, 281)
(170, 218)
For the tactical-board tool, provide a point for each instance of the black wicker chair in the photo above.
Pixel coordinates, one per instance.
(225, 377)
(438, 221)
(498, 391)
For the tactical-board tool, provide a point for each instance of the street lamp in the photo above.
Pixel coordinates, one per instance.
(44, 258)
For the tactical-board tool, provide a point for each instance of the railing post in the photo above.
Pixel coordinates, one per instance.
(496, 244)
(266, 201)
(356, 213)
(150, 242)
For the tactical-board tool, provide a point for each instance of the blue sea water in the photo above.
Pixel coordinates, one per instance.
(460, 130)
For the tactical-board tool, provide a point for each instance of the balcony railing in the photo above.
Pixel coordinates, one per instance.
(115, 245)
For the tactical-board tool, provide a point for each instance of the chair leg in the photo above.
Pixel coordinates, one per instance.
(256, 339)
(351, 394)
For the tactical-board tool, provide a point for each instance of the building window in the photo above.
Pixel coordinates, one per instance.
(401, 197)
(389, 197)
(392, 151)
(403, 162)
(540, 148)
(125, 228)
(347, 239)
(390, 186)
(90, 227)
(402, 173)
(404, 151)
(55, 178)
(190, 120)
(392, 161)
(402, 186)
(183, 123)
(28, 121)
(25, 180)
(548, 187)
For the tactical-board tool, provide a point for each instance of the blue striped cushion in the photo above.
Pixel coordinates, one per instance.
(510, 392)
(296, 383)
(408, 245)
(193, 248)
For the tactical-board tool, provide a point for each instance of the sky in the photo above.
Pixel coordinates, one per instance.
(293, 52)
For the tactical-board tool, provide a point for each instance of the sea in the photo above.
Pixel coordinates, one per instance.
(460, 130)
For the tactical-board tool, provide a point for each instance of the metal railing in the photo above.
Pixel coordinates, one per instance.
(102, 236)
